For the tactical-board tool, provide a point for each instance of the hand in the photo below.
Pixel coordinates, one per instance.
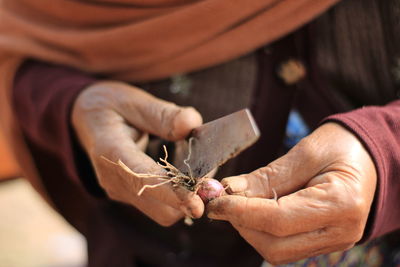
(325, 186)
(111, 120)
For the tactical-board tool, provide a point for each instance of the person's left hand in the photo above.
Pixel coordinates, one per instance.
(325, 185)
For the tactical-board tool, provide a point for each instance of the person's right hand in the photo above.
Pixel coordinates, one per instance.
(110, 118)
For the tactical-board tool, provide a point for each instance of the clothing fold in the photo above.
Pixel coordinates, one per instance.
(147, 42)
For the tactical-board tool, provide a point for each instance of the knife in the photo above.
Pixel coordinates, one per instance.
(212, 144)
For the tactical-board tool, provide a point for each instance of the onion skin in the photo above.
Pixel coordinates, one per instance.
(209, 189)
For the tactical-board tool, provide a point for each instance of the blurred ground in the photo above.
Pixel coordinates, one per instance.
(32, 234)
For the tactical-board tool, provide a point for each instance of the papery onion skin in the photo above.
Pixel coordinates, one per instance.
(209, 189)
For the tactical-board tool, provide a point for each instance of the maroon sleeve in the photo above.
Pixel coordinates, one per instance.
(43, 96)
(379, 130)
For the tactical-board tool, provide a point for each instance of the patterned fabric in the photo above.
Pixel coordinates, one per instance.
(376, 253)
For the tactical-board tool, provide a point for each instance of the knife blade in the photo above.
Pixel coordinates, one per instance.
(212, 144)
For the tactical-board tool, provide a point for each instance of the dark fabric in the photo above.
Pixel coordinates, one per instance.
(355, 51)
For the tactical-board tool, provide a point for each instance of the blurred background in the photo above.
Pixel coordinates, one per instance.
(31, 233)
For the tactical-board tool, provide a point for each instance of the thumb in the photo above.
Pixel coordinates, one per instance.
(153, 115)
(283, 176)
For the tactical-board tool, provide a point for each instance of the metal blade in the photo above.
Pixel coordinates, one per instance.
(215, 142)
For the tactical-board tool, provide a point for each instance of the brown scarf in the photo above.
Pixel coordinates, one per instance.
(137, 40)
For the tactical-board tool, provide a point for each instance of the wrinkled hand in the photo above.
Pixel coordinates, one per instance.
(111, 120)
(325, 185)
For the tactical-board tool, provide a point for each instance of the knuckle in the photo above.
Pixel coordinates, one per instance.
(357, 206)
(169, 111)
(168, 115)
(270, 170)
(265, 178)
(258, 183)
(350, 204)
(307, 146)
(103, 151)
(355, 210)
(353, 213)
(226, 181)
(92, 98)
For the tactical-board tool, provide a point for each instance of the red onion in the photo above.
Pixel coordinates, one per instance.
(209, 189)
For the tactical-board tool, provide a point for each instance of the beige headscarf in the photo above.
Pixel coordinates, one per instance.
(137, 40)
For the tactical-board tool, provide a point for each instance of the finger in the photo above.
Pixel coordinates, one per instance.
(162, 190)
(292, 171)
(284, 175)
(116, 184)
(174, 195)
(304, 211)
(161, 213)
(281, 250)
(118, 145)
(191, 204)
(153, 115)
